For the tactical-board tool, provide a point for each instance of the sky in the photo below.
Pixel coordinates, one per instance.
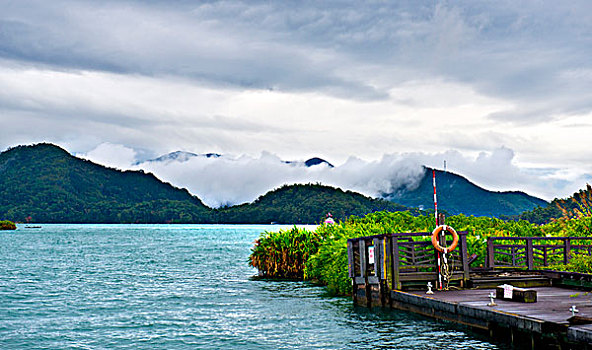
(501, 90)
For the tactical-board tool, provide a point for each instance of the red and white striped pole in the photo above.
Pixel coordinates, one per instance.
(435, 199)
(436, 216)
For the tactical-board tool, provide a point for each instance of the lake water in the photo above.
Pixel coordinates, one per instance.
(181, 287)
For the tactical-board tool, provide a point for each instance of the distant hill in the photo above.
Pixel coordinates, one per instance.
(178, 156)
(181, 156)
(317, 161)
(458, 195)
(297, 204)
(44, 183)
(310, 162)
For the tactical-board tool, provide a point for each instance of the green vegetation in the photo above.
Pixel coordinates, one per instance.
(44, 183)
(457, 195)
(328, 259)
(539, 215)
(305, 204)
(7, 225)
(581, 263)
(283, 254)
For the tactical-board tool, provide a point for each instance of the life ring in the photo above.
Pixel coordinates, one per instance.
(437, 245)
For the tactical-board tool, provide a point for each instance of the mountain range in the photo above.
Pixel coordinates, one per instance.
(44, 183)
(182, 156)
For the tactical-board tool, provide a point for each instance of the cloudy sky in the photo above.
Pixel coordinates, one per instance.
(500, 89)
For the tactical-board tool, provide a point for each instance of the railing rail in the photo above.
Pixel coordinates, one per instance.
(534, 252)
(396, 258)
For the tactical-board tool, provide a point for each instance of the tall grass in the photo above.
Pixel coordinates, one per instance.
(577, 206)
(577, 214)
(283, 254)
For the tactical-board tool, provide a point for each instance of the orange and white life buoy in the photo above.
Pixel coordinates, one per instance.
(435, 239)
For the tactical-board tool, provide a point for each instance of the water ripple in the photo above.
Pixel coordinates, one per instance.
(180, 287)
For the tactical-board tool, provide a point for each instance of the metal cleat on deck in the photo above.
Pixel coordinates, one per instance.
(429, 288)
(491, 301)
(573, 310)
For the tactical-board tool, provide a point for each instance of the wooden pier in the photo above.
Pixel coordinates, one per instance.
(393, 270)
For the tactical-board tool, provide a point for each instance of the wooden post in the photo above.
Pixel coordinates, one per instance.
(441, 218)
(379, 268)
(368, 292)
(363, 268)
(490, 257)
(395, 263)
(388, 260)
(566, 250)
(384, 251)
(529, 254)
(464, 258)
(442, 241)
(377, 257)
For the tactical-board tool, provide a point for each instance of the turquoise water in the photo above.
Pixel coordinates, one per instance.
(180, 287)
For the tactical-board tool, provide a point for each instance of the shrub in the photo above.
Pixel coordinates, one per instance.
(7, 225)
(581, 263)
(321, 256)
(283, 254)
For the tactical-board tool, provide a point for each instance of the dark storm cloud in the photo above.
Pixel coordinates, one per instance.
(295, 76)
(520, 51)
(219, 44)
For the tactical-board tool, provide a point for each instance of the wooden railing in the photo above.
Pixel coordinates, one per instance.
(534, 252)
(402, 258)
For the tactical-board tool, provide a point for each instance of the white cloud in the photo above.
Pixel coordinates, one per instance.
(229, 180)
(110, 155)
(303, 79)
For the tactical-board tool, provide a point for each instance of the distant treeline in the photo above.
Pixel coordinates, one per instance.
(578, 205)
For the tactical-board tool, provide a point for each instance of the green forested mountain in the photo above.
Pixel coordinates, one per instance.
(457, 195)
(44, 183)
(305, 204)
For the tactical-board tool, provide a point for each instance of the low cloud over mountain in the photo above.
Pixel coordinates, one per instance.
(227, 180)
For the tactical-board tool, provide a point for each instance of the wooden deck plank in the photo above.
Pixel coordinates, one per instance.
(553, 303)
(549, 314)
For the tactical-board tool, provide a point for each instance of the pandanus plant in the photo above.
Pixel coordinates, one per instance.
(283, 254)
